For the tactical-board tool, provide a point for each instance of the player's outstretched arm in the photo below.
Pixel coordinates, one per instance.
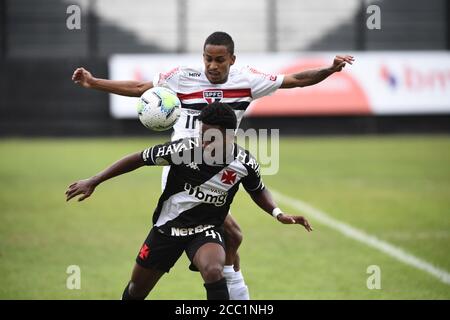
(264, 200)
(311, 77)
(85, 79)
(87, 186)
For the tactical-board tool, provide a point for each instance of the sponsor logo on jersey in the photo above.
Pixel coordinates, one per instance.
(269, 76)
(207, 196)
(194, 74)
(212, 95)
(166, 76)
(189, 231)
(249, 161)
(186, 144)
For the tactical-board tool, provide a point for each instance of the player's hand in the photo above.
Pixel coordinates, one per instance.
(288, 219)
(84, 187)
(340, 62)
(82, 77)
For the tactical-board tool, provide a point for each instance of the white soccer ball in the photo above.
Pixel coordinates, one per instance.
(159, 108)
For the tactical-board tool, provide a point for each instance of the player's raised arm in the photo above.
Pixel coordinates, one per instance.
(158, 155)
(311, 77)
(264, 200)
(85, 79)
(87, 186)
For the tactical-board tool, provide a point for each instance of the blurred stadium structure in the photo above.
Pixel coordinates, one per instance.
(39, 54)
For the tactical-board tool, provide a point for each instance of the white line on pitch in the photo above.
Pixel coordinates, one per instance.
(363, 237)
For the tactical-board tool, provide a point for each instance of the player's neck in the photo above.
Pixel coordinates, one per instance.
(218, 82)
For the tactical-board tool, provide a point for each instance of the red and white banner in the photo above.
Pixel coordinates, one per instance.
(377, 83)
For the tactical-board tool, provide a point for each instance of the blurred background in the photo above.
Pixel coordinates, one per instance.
(369, 147)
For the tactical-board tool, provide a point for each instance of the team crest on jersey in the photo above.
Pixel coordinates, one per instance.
(228, 177)
(143, 253)
(212, 95)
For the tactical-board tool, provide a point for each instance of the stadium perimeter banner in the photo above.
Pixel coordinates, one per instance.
(378, 83)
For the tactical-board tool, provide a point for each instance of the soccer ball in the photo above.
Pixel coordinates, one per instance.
(159, 108)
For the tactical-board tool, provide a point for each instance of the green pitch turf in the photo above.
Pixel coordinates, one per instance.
(396, 188)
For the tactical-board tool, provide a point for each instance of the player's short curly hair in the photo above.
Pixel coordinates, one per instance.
(219, 114)
(220, 38)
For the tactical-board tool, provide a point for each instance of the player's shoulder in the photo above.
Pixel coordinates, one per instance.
(247, 69)
(246, 158)
(167, 78)
(180, 145)
(241, 70)
(170, 148)
(182, 70)
(251, 72)
(190, 71)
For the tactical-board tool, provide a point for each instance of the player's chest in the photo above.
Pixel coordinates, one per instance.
(217, 178)
(202, 90)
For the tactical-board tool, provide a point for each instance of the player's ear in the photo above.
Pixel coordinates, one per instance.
(233, 59)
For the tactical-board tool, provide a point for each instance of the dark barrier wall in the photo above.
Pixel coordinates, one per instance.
(38, 98)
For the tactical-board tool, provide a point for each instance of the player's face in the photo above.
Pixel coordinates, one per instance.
(211, 133)
(217, 61)
(214, 137)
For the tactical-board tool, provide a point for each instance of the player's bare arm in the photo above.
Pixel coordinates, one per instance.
(87, 186)
(311, 77)
(265, 201)
(84, 78)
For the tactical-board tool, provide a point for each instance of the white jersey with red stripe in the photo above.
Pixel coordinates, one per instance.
(195, 91)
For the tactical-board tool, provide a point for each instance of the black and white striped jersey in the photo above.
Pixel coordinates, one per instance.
(198, 196)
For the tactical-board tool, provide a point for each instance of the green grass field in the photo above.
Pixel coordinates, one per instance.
(396, 188)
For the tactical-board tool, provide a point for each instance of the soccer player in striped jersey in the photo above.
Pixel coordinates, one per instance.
(205, 175)
(216, 80)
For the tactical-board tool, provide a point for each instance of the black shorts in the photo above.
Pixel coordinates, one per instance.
(161, 251)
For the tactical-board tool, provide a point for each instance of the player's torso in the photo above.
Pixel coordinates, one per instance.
(198, 194)
(195, 92)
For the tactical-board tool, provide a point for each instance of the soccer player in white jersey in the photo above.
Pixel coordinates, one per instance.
(217, 80)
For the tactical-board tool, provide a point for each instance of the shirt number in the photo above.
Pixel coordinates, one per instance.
(191, 122)
(213, 234)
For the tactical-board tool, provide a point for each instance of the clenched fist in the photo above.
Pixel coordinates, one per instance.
(82, 77)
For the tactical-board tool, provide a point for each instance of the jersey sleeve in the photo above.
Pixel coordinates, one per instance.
(168, 79)
(157, 155)
(253, 181)
(263, 84)
(170, 153)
